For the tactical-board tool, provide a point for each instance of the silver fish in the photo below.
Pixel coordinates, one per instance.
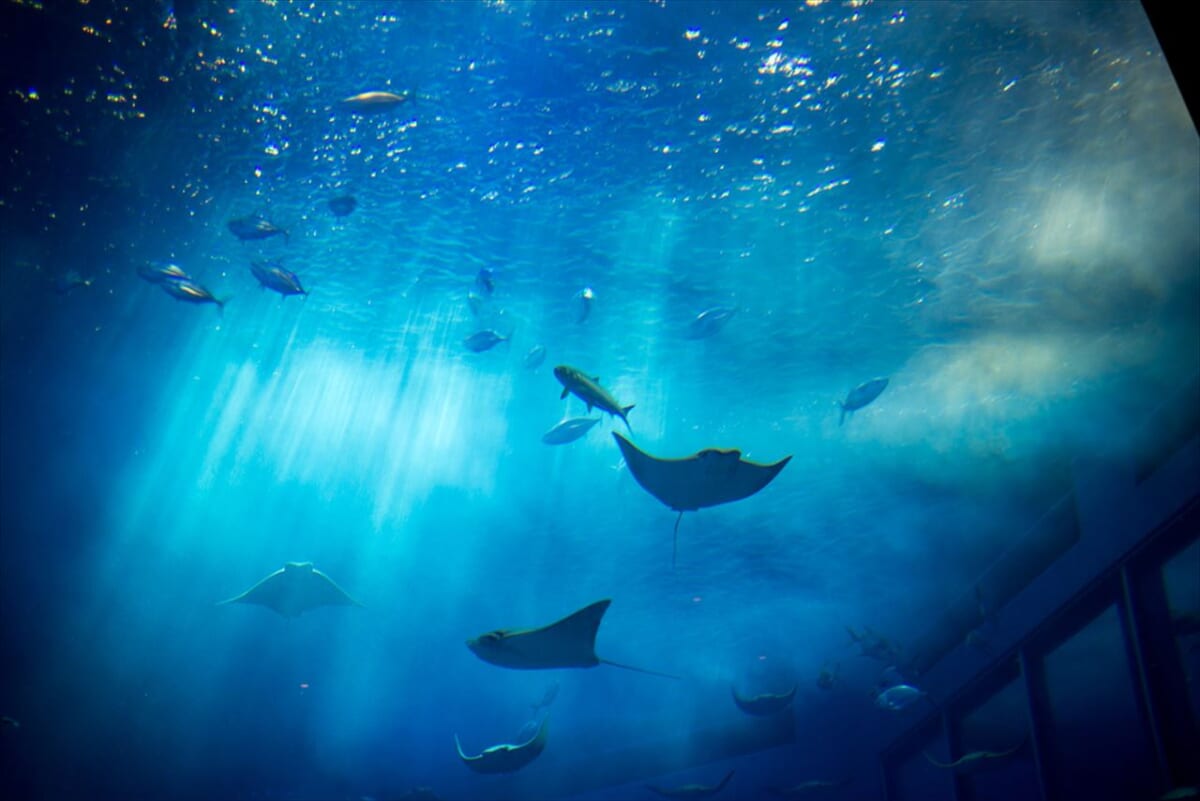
(483, 340)
(898, 698)
(709, 322)
(583, 299)
(569, 430)
(535, 357)
(861, 395)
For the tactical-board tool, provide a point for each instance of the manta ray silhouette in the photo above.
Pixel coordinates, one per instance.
(707, 478)
(506, 758)
(567, 643)
(294, 589)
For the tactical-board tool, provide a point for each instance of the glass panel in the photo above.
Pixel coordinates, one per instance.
(994, 752)
(1181, 578)
(1098, 747)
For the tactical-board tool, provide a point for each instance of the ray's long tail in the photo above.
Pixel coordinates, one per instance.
(640, 670)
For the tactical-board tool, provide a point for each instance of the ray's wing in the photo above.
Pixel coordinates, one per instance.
(321, 590)
(707, 478)
(570, 642)
(270, 592)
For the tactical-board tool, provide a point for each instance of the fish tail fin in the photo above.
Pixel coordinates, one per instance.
(221, 304)
(624, 416)
(641, 670)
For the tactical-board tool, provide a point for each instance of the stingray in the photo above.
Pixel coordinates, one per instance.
(692, 790)
(971, 759)
(505, 758)
(707, 478)
(765, 704)
(568, 643)
(294, 589)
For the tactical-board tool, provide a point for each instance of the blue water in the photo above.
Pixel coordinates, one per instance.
(993, 205)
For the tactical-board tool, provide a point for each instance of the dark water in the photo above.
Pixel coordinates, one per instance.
(993, 205)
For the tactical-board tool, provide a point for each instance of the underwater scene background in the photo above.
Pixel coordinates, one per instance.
(995, 206)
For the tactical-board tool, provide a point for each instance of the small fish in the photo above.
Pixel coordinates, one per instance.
(156, 272)
(374, 102)
(828, 676)
(9, 723)
(588, 390)
(861, 395)
(192, 292)
(569, 430)
(535, 357)
(899, 698)
(483, 340)
(485, 281)
(709, 322)
(70, 280)
(272, 275)
(583, 299)
(343, 206)
(255, 227)
(873, 645)
(547, 697)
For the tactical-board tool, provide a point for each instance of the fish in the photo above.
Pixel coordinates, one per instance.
(374, 102)
(709, 322)
(569, 430)
(806, 788)
(484, 281)
(899, 697)
(70, 280)
(157, 272)
(873, 645)
(765, 704)
(547, 697)
(827, 678)
(343, 205)
(583, 300)
(861, 395)
(588, 390)
(535, 357)
(566, 643)
(692, 790)
(255, 226)
(1180, 793)
(506, 758)
(192, 292)
(483, 340)
(272, 275)
(9, 723)
(707, 478)
(294, 589)
(971, 759)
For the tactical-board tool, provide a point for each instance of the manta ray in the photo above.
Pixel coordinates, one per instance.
(973, 758)
(506, 758)
(807, 788)
(765, 704)
(692, 790)
(294, 589)
(707, 478)
(568, 643)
